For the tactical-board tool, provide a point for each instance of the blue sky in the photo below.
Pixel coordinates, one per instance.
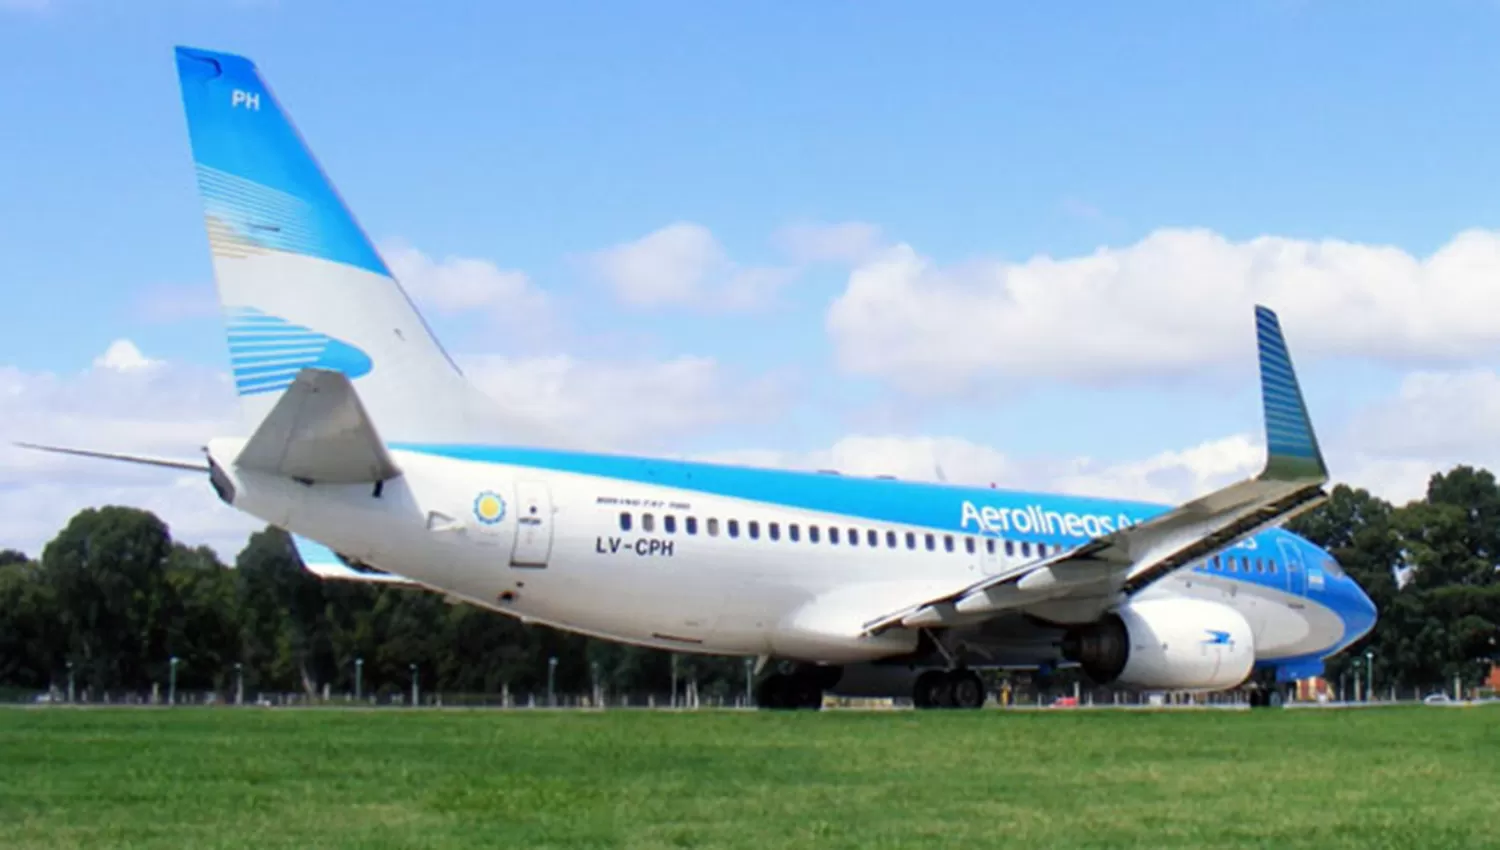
(976, 135)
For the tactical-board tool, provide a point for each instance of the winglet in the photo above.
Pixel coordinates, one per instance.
(1291, 446)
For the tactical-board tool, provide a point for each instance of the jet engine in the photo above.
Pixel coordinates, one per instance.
(1166, 644)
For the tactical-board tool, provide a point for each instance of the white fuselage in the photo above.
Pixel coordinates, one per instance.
(561, 555)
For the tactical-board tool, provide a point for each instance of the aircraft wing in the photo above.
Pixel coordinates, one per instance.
(1099, 572)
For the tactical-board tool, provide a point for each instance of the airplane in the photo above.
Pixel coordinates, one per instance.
(370, 447)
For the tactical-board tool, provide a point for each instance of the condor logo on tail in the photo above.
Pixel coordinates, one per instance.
(266, 352)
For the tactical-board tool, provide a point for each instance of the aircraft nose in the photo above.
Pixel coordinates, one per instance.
(1361, 616)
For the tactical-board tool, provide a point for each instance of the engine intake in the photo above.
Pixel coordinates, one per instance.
(1166, 644)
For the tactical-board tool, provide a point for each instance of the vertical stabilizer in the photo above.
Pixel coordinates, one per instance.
(299, 281)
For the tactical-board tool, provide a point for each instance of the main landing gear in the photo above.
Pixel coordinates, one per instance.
(1270, 697)
(800, 689)
(961, 688)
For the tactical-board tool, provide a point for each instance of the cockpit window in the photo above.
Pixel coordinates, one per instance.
(1331, 567)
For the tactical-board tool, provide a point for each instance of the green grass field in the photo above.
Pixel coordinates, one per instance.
(208, 778)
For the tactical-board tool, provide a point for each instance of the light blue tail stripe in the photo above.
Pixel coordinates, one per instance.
(266, 352)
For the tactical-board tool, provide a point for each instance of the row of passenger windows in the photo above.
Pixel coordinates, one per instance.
(1241, 564)
(893, 540)
(834, 535)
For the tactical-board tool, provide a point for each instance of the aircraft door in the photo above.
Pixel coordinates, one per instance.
(533, 525)
(1296, 570)
(989, 555)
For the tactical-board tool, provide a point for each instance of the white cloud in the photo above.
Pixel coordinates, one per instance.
(846, 242)
(123, 356)
(126, 402)
(622, 405)
(1167, 477)
(459, 284)
(1436, 420)
(1169, 304)
(684, 264)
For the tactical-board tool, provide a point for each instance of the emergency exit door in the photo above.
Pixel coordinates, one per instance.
(533, 525)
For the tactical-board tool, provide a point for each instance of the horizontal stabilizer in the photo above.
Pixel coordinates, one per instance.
(325, 563)
(143, 460)
(319, 432)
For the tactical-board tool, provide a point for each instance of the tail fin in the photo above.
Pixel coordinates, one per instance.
(299, 281)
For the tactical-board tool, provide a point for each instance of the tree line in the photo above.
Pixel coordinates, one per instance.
(113, 598)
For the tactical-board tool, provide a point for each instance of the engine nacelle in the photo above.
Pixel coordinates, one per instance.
(1166, 644)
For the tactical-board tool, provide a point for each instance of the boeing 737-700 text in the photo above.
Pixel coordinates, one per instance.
(368, 445)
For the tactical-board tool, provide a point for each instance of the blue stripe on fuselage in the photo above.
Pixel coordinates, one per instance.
(1044, 517)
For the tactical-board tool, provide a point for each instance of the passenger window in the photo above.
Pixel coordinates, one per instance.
(754, 530)
(911, 540)
(669, 524)
(890, 539)
(691, 524)
(774, 529)
(648, 522)
(1274, 567)
(1234, 568)
(833, 535)
(1260, 565)
(1215, 565)
(872, 537)
(812, 534)
(734, 528)
(624, 520)
(969, 545)
(793, 533)
(931, 543)
(1010, 548)
(947, 543)
(853, 537)
(989, 545)
(1026, 548)
(713, 527)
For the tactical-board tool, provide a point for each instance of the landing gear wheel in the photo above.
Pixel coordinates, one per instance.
(966, 688)
(782, 691)
(773, 691)
(934, 689)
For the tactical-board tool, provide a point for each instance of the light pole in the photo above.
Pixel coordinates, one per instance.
(749, 673)
(551, 680)
(594, 679)
(239, 683)
(359, 675)
(674, 680)
(414, 694)
(172, 682)
(1369, 675)
(70, 681)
